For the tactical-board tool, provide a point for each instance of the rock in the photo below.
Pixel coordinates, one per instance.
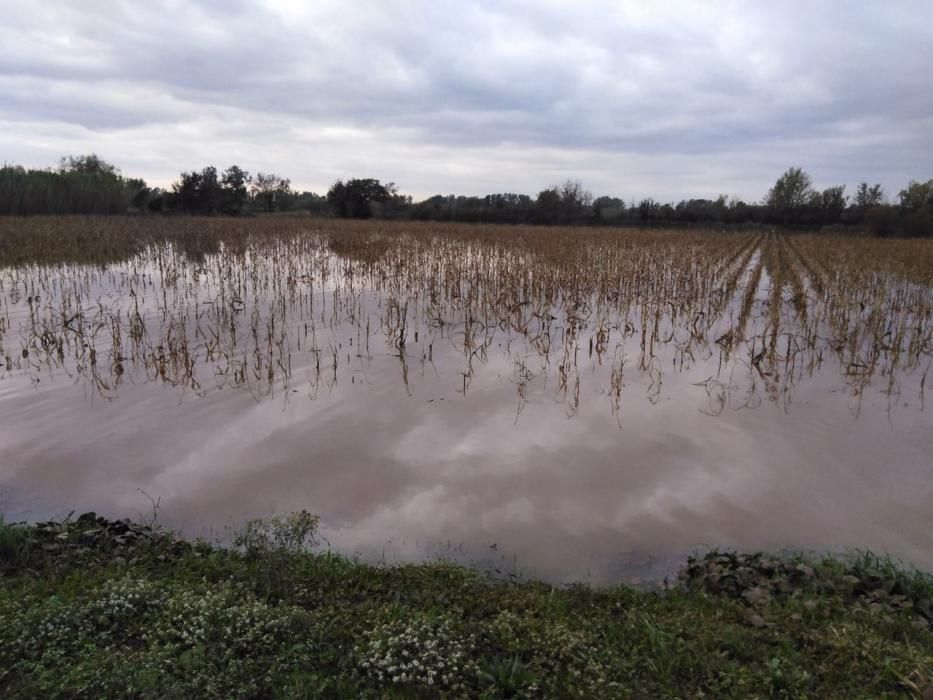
(754, 619)
(805, 570)
(757, 596)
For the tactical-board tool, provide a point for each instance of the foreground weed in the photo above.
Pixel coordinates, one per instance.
(98, 608)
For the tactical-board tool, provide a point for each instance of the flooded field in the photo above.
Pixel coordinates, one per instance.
(566, 403)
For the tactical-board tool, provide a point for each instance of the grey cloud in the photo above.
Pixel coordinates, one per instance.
(842, 90)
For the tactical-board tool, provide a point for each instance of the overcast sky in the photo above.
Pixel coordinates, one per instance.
(670, 100)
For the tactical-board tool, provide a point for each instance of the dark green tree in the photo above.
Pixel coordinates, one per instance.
(917, 195)
(210, 191)
(91, 164)
(235, 183)
(575, 202)
(649, 211)
(830, 204)
(186, 191)
(355, 198)
(139, 192)
(80, 185)
(547, 208)
(790, 196)
(868, 196)
(268, 188)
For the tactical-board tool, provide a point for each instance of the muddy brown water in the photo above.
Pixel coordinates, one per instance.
(598, 441)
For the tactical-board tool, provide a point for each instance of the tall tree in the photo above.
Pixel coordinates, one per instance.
(81, 185)
(790, 195)
(547, 208)
(868, 196)
(198, 192)
(90, 164)
(210, 192)
(235, 182)
(917, 208)
(917, 195)
(575, 201)
(649, 210)
(830, 204)
(268, 188)
(186, 191)
(355, 198)
(139, 191)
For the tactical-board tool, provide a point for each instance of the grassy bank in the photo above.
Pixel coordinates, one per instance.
(96, 608)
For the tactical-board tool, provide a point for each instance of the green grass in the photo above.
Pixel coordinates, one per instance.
(12, 539)
(96, 608)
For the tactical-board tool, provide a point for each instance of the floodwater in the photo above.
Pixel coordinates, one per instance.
(439, 402)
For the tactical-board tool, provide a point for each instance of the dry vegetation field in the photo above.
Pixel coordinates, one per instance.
(279, 304)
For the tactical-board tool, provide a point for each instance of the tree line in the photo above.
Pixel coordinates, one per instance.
(90, 185)
(79, 185)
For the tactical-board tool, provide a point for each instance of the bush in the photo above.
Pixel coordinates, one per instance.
(882, 221)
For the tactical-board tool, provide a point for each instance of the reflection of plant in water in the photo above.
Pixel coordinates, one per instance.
(271, 305)
(616, 380)
(522, 377)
